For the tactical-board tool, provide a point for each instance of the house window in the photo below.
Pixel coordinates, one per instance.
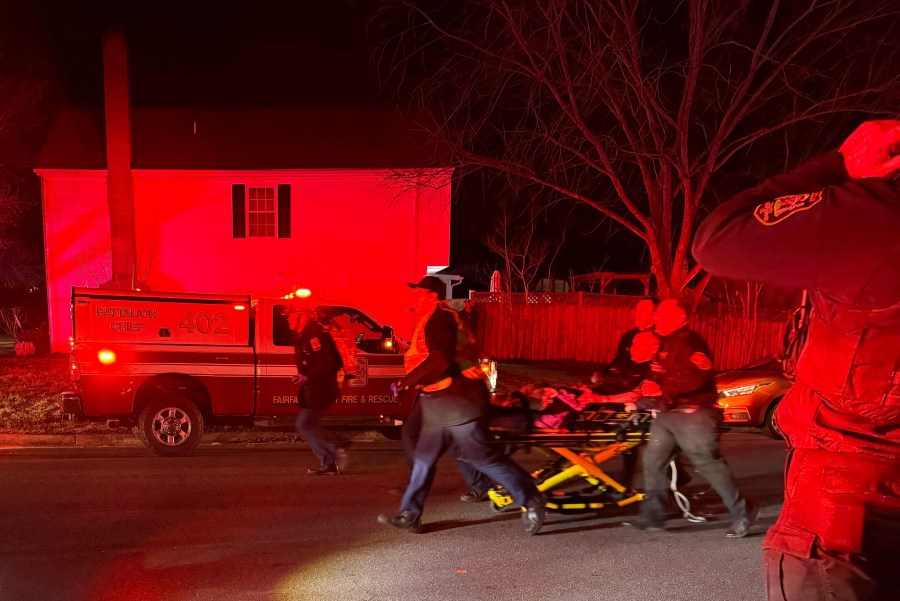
(261, 212)
(261, 215)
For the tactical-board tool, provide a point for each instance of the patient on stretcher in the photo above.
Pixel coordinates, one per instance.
(550, 408)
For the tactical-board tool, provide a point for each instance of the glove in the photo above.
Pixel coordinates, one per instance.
(873, 149)
(299, 380)
(396, 389)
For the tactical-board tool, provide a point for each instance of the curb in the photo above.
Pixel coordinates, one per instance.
(128, 440)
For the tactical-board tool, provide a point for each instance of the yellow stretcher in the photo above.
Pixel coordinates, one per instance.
(573, 479)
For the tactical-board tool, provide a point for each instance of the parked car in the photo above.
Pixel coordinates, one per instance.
(750, 396)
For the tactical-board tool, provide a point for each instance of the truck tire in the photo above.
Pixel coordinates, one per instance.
(170, 425)
(769, 427)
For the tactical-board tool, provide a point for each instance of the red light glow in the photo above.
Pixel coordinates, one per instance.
(106, 357)
(185, 242)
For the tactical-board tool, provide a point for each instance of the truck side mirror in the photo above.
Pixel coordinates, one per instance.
(387, 340)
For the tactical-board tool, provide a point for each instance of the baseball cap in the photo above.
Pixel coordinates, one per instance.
(433, 284)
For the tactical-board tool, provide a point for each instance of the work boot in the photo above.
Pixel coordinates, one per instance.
(741, 526)
(404, 521)
(474, 496)
(534, 515)
(323, 470)
(643, 523)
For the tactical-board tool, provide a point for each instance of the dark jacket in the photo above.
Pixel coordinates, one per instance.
(461, 402)
(814, 228)
(470, 319)
(685, 372)
(440, 338)
(319, 360)
(623, 374)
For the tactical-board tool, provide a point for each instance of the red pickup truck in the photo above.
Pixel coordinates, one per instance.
(168, 364)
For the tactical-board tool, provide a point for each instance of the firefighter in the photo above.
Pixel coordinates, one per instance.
(466, 351)
(469, 316)
(686, 420)
(623, 373)
(831, 227)
(452, 407)
(318, 365)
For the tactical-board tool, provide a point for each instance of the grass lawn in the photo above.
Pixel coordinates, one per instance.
(29, 394)
(30, 388)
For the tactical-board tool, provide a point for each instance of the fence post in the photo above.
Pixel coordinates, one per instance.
(578, 336)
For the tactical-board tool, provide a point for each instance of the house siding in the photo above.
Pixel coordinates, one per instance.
(356, 237)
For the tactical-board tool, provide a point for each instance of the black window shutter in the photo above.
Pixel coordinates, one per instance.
(284, 210)
(238, 211)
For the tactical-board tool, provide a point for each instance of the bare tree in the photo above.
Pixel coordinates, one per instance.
(521, 240)
(21, 90)
(11, 322)
(97, 271)
(634, 108)
(20, 267)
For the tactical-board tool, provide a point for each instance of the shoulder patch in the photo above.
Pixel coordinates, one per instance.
(315, 344)
(776, 211)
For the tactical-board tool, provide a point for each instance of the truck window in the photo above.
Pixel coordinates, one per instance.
(282, 334)
(353, 325)
(342, 322)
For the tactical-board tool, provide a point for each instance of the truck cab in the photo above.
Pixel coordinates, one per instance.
(377, 362)
(169, 364)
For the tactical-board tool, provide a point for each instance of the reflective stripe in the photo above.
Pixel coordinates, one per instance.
(441, 385)
(374, 371)
(476, 373)
(160, 368)
(386, 371)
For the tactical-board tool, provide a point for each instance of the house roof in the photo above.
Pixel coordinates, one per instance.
(307, 138)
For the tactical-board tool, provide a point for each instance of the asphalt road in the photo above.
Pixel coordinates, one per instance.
(235, 522)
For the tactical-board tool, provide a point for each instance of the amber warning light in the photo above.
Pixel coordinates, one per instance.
(106, 357)
(239, 307)
(303, 293)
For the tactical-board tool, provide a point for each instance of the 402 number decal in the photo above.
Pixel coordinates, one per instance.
(204, 323)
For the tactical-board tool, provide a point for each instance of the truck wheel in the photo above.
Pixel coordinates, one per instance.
(170, 425)
(769, 427)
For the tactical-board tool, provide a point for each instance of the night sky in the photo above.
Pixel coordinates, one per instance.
(234, 54)
(225, 53)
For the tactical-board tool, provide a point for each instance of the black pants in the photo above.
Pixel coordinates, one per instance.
(410, 434)
(695, 435)
(472, 447)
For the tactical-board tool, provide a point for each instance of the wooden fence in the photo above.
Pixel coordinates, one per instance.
(586, 327)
